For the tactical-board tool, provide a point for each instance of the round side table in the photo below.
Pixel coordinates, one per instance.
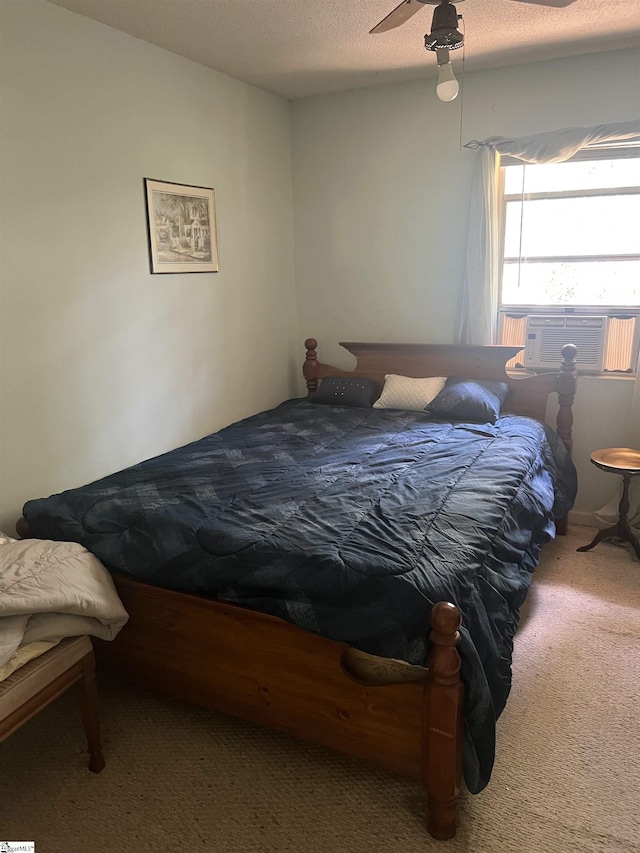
(626, 462)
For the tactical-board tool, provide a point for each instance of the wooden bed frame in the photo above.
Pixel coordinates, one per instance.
(265, 670)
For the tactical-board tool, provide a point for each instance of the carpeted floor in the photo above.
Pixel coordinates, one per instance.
(179, 778)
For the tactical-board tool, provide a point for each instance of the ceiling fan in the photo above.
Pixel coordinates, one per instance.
(444, 35)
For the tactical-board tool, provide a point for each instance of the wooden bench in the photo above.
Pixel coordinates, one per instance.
(33, 686)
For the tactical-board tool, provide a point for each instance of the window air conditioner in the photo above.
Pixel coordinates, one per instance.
(547, 333)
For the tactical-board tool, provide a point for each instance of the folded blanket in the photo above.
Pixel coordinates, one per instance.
(51, 590)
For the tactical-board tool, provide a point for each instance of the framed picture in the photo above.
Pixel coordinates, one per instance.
(181, 222)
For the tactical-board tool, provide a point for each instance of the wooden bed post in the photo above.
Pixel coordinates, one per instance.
(566, 385)
(442, 734)
(566, 382)
(311, 365)
(22, 528)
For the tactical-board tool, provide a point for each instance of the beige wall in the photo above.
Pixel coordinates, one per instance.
(381, 195)
(103, 364)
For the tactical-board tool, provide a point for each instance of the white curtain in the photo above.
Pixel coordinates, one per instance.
(479, 307)
(478, 315)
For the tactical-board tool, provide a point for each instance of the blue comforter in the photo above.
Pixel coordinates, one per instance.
(348, 522)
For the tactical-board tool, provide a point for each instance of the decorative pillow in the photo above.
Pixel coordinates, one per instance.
(346, 391)
(469, 400)
(404, 392)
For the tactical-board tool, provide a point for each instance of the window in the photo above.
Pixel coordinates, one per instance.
(571, 245)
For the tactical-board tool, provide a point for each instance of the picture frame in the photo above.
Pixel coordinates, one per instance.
(181, 227)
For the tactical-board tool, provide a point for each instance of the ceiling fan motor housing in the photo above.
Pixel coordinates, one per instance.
(444, 28)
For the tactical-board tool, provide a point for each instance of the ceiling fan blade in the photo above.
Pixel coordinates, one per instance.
(558, 4)
(400, 14)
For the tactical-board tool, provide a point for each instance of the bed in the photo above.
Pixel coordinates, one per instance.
(308, 569)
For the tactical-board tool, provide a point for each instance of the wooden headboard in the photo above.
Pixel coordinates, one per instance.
(529, 393)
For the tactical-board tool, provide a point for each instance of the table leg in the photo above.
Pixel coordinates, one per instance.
(630, 537)
(601, 535)
(625, 530)
(621, 529)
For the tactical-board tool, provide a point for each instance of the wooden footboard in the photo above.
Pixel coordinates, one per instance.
(267, 671)
(262, 669)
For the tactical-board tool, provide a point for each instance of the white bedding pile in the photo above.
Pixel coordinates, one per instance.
(49, 591)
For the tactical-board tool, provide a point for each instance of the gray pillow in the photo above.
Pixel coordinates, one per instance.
(478, 401)
(346, 391)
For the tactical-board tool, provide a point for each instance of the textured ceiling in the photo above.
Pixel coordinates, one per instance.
(297, 49)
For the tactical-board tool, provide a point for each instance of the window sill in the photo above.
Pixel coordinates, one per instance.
(624, 377)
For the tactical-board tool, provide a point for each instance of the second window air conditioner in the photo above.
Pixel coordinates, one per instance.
(546, 334)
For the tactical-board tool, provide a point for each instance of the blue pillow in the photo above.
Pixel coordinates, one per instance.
(346, 391)
(469, 400)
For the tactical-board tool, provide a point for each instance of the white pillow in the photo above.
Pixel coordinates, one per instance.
(403, 392)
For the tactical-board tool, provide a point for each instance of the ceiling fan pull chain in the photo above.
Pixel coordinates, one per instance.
(462, 82)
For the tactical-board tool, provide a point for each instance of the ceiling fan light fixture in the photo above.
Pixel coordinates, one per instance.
(444, 28)
(447, 87)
